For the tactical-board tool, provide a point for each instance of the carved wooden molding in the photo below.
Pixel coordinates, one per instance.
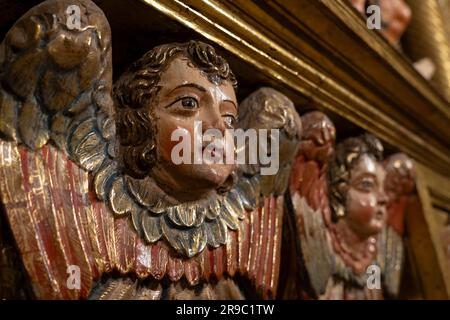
(425, 233)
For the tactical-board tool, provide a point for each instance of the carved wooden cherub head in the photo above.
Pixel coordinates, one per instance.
(170, 88)
(357, 192)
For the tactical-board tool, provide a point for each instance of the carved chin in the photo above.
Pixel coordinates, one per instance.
(377, 226)
(372, 229)
(212, 175)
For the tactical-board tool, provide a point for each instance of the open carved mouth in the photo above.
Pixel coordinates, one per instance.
(379, 215)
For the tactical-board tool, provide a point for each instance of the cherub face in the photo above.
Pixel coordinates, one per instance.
(185, 96)
(395, 16)
(366, 199)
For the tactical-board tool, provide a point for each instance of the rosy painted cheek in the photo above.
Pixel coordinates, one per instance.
(164, 137)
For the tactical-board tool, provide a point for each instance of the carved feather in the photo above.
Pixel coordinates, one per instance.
(9, 108)
(216, 232)
(33, 125)
(213, 210)
(234, 203)
(143, 191)
(151, 227)
(121, 203)
(188, 241)
(246, 192)
(229, 216)
(103, 178)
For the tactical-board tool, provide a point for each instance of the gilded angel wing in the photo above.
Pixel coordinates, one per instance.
(263, 195)
(399, 184)
(66, 198)
(308, 207)
(56, 126)
(56, 82)
(268, 109)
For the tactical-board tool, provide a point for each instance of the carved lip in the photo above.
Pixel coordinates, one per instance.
(379, 215)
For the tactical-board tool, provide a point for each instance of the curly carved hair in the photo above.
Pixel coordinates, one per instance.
(138, 86)
(345, 157)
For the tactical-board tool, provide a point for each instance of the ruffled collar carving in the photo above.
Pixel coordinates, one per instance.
(351, 265)
(187, 227)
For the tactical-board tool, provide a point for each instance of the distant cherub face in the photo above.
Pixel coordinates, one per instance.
(395, 16)
(187, 96)
(366, 198)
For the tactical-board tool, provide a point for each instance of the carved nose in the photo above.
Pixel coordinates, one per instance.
(382, 198)
(215, 121)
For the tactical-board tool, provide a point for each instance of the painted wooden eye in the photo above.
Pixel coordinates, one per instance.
(366, 185)
(189, 103)
(230, 120)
